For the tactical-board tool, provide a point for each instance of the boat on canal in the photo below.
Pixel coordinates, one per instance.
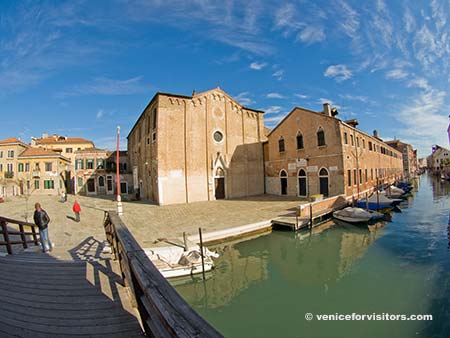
(175, 261)
(378, 202)
(356, 215)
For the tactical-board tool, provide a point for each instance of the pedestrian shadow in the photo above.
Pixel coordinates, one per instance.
(72, 218)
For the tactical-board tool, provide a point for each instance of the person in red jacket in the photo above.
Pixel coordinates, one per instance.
(76, 209)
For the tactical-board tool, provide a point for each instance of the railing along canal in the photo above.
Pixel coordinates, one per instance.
(164, 313)
(6, 232)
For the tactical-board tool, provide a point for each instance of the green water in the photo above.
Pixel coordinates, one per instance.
(263, 287)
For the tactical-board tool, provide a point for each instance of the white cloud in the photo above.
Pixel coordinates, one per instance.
(350, 97)
(311, 34)
(301, 96)
(107, 86)
(425, 118)
(349, 20)
(257, 65)
(410, 22)
(272, 110)
(244, 99)
(274, 96)
(338, 72)
(100, 114)
(286, 19)
(396, 74)
(278, 74)
(420, 83)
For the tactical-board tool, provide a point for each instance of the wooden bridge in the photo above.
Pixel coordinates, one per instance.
(91, 295)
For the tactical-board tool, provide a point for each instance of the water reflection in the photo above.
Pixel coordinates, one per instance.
(302, 259)
(440, 188)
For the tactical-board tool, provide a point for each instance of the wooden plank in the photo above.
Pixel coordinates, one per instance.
(6, 236)
(14, 221)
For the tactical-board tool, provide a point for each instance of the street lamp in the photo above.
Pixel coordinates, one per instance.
(119, 199)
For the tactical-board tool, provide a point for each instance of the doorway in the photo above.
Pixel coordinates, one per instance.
(219, 186)
(283, 182)
(323, 182)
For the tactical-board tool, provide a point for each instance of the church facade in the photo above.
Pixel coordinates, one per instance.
(203, 147)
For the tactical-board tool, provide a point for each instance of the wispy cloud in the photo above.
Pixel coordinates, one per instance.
(107, 86)
(244, 99)
(272, 110)
(396, 74)
(301, 96)
(274, 96)
(99, 114)
(311, 34)
(278, 74)
(286, 19)
(257, 65)
(425, 119)
(350, 97)
(338, 72)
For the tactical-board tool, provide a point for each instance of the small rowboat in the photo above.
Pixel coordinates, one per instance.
(356, 215)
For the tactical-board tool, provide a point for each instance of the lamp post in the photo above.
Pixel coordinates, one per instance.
(119, 200)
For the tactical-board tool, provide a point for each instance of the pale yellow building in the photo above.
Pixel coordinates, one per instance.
(42, 171)
(197, 148)
(10, 149)
(66, 146)
(311, 153)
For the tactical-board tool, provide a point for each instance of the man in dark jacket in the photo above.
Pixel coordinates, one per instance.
(41, 219)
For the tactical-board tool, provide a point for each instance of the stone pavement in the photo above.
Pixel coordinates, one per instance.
(146, 222)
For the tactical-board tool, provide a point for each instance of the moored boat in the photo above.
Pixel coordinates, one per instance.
(174, 261)
(356, 215)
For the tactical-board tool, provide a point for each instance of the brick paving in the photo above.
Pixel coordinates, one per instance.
(147, 222)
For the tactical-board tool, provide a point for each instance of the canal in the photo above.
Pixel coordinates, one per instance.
(264, 287)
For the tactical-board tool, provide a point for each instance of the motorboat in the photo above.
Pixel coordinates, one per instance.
(356, 215)
(394, 192)
(176, 261)
(378, 202)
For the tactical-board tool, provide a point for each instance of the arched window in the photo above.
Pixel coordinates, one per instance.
(302, 183)
(220, 172)
(283, 182)
(299, 140)
(323, 182)
(320, 137)
(281, 147)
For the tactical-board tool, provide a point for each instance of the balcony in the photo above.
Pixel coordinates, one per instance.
(36, 174)
(9, 174)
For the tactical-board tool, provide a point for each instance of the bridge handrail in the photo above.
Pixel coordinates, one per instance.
(6, 232)
(164, 313)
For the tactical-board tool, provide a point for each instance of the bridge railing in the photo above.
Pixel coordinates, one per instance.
(7, 230)
(163, 312)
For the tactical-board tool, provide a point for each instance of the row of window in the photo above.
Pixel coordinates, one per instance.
(89, 164)
(377, 173)
(372, 146)
(302, 182)
(25, 167)
(48, 184)
(299, 138)
(10, 154)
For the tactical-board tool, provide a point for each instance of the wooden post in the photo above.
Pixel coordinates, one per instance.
(23, 237)
(33, 230)
(310, 215)
(353, 200)
(6, 236)
(378, 197)
(201, 252)
(297, 213)
(185, 242)
(367, 201)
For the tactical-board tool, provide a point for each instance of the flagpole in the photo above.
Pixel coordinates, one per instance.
(119, 199)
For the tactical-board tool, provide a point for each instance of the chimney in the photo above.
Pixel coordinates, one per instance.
(327, 109)
(194, 92)
(352, 122)
(375, 133)
(44, 135)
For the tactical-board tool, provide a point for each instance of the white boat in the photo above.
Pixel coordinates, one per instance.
(393, 191)
(356, 215)
(384, 199)
(174, 261)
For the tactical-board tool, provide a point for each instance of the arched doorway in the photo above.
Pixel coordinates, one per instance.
(302, 183)
(323, 182)
(219, 184)
(283, 182)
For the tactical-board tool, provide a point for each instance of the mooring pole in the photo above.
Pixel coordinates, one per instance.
(378, 198)
(201, 252)
(185, 242)
(367, 201)
(310, 215)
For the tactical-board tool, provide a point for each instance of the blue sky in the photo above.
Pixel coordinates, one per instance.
(80, 68)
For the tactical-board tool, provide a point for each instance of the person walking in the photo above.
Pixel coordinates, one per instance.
(41, 219)
(76, 209)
